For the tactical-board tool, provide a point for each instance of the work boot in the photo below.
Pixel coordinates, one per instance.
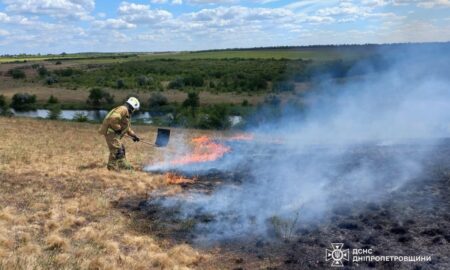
(123, 164)
(112, 166)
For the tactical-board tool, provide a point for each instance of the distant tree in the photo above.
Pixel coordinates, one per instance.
(16, 73)
(178, 83)
(144, 80)
(42, 71)
(245, 103)
(192, 102)
(217, 118)
(52, 100)
(54, 112)
(98, 97)
(157, 100)
(2, 101)
(195, 80)
(120, 84)
(80, 117)
(23, 102)
(4, 109)
(51, 80)
(58, 63)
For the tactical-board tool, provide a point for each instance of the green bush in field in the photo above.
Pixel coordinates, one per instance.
(42, 71)
(215, 117)
(4, 109)
(192, 102)
(54, 112)
(52, 100)
(17, 73)
(157, 100)
(144, 80)
(178, 83)
(51, 80)
(120, 84)
(66, 72)
(99, 97)
(80, 117)
(2, 101)
(23, 102)
(195, 80)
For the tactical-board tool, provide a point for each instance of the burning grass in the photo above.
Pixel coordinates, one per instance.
(57, 202)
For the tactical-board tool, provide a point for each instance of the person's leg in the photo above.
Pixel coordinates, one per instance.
(114, 146)
(122, 162)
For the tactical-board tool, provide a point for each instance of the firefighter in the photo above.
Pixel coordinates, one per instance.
(115, 125)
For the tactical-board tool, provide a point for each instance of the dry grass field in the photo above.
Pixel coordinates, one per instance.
(57, 201)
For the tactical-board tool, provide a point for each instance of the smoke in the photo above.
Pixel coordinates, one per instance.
(359, 140)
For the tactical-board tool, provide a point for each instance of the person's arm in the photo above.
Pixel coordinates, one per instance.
(114, 121)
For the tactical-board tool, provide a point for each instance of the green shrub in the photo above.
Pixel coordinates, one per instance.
(98, 97)
(2, 101)
(16, 73)
(80, 117)
(23, 102)
(66, 72)
(52, 100)
(194, 80)
(192, 102)
(120, 84)
(54, 112)
(144, 80)
(42, 71)
(178, 83)
(4, 109)
(216, 117)
(157, 100)
(51, 80)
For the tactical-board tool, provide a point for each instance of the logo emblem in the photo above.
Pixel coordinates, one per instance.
(337, 254)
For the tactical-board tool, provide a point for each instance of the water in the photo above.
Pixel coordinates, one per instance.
(92, 115)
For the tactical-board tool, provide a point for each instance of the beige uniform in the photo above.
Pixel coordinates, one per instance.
(115, 125)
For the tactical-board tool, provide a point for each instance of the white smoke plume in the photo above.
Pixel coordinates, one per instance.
(359, 140)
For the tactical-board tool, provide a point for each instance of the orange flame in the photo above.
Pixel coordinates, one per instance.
(175, 179)
(205, 149)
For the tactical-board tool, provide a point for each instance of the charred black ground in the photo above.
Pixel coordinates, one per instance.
(412, 220)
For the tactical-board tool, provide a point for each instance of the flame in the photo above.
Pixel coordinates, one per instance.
(205, 149)
(175, 179)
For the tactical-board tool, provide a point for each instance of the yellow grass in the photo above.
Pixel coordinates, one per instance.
(56, 201)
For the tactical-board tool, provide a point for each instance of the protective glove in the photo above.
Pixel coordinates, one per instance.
(135, 138)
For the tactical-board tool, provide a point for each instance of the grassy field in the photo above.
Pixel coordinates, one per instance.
(57, 201)
(325, 53)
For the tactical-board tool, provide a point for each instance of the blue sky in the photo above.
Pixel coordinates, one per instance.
(55, 26)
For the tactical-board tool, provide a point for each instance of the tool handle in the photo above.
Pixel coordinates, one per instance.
(142, 141)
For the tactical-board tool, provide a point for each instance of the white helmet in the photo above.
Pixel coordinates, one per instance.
(134, 102)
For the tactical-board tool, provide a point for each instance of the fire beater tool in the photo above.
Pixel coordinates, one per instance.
(162, 138)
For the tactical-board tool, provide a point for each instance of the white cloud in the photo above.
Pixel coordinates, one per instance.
(159, 1)
(78, 9)
(113, 24)
(142, 14)
(434, 3)
(177, 2)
